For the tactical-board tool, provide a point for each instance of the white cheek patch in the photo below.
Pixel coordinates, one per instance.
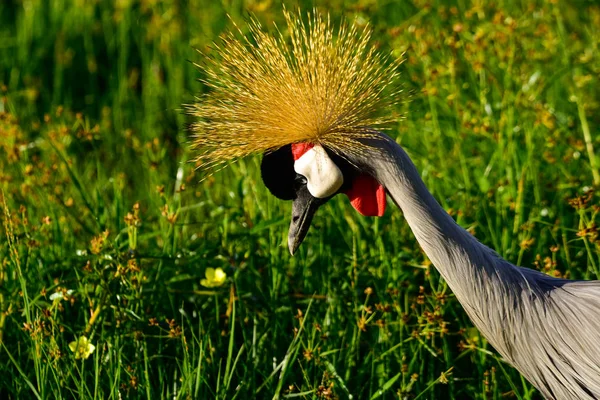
(323, 177)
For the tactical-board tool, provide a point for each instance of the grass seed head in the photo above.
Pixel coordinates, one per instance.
(314, 84)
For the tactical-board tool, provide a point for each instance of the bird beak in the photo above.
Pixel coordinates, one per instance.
(303, 210)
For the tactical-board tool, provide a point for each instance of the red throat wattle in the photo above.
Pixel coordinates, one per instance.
(366, 195)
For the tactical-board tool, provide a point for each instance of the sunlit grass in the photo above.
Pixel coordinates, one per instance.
(107, 233)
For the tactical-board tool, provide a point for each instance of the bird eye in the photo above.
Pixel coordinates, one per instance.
(300, 180)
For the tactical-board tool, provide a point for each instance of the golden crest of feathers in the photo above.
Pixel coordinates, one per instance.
(312, 84)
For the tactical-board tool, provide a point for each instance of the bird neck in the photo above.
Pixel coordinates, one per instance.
(457, 255)
(541, 325)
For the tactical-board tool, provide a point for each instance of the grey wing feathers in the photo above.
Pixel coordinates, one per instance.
(551, 333)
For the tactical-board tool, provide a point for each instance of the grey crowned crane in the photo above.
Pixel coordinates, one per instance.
(315, 103)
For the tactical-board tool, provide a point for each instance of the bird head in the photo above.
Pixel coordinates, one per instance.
(310, 98)
(310, 175)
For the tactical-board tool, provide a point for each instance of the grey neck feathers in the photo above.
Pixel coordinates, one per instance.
(457, 255)
(549, 329)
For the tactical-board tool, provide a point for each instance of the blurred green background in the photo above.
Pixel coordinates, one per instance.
(108, 230)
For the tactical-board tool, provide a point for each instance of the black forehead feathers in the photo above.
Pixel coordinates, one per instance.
(278, 175)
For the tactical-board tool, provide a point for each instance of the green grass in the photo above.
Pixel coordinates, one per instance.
(99, 198)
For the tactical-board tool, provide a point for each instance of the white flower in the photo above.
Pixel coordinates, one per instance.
(60, 294)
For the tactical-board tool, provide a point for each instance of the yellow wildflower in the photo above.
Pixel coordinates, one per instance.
(214, 277)
(82, 347)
